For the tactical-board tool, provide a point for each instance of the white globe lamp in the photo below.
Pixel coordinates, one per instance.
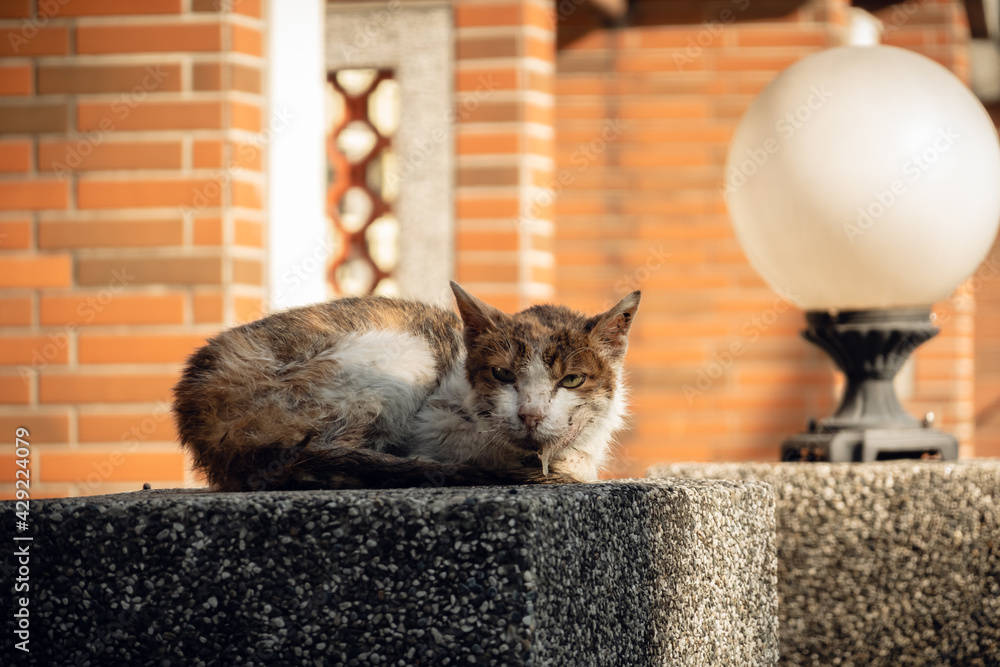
(864, 185)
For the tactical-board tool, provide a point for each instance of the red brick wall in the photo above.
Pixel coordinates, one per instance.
(503, 81)
(985, 285)
(130, 223)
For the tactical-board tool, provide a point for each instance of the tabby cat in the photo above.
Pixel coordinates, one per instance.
(381, 392)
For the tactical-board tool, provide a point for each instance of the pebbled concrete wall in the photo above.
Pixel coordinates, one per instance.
(642, 572)
(888, 563)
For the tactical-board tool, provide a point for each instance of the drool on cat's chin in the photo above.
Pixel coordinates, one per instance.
(552, 435)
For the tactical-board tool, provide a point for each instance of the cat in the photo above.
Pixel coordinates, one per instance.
(377, 392)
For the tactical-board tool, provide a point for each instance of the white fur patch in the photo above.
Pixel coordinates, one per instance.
(381, 378)
(390, 353)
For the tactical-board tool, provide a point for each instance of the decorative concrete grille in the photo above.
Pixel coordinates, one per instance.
(362, 181)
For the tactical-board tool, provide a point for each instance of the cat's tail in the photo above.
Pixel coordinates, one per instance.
(308, 465)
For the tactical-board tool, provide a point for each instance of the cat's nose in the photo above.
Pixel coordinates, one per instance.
(530, 418)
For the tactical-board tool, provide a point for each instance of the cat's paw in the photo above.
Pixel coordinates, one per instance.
(536, 476)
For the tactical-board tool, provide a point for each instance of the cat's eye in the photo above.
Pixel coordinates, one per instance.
(504, 375)
(572, 381)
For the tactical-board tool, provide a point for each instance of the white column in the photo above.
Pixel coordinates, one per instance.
(299, 235)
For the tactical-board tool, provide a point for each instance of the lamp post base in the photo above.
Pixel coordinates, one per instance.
(870, 444)
(869, 346)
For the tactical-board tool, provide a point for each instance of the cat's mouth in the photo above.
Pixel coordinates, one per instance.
(535, 443)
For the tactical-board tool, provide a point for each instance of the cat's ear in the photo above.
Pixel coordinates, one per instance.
(610, 329)
(477, 315)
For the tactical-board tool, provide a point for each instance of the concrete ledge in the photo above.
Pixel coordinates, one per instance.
(631, 573)
(890, 563)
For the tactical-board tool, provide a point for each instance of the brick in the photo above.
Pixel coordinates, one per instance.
(84, 155)
(108, 7)
(248, 233)
(468, 15)
(92, 468)
(206, 154)
(246, 155)
(588, 111)
(37, 117)
(468, 143)
(245, 116)
(15, 156)
(244, 78)
(161, 38)
(14, 390)
(208, 231)
(541, 146)
(488, 241)
(122, 193)
(538, 16)
(539, 113)
(229, 76)
(248, 308)
(664, 110)
(34, 272)
(541, 82)
(207, 76)
(540, 49)
(250, 8)
(137, 348)
(777, 37)
(490, 272)
(15, 9)
(678, 61)
(486, 47)
(247, 40)
(43, 42)
(487, 208)
(15, 312)
(34, 195)
(207, 308)
(674, 37)
(469, 80)
(745, 63)
(15, 234)
(674, 134)
(113, 388)
(479, 176)
(109, 307)
(62, 234)
(120, 114)
(247, 272)
(487, 112)
(43, 428)
(126, 427)
(78, 79)
(34, 350)
(542, 274)
(15, 79)
(150, 270)
(247, 195)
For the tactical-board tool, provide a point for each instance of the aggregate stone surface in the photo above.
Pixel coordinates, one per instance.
(641, 572)
(887, 563)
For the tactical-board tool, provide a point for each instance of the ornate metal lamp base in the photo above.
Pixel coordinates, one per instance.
(869, 346)
(870, 445)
